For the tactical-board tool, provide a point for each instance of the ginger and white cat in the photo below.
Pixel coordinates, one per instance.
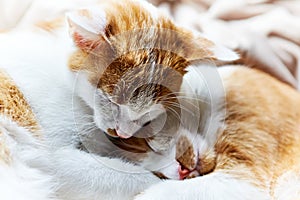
(255, 155)
(118, 76)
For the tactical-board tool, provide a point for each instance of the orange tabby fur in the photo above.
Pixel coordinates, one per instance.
(14, 106)
(263, 126)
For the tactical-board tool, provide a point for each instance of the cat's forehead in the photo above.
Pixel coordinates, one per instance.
(139, 75)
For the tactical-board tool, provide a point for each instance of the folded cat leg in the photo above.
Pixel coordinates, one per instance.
(88, 176)
(215, 186)
(19, 181)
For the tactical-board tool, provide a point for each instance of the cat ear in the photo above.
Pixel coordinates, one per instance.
(86, 25)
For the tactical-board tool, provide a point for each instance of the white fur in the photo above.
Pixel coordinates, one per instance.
(85, 176)
(214, 186)
(204, 86)
(18, 181)
(288, 186)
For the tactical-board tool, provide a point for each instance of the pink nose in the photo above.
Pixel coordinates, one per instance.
(183, 172)
(121, 134)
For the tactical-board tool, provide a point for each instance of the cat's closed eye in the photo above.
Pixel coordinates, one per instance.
(146, 124)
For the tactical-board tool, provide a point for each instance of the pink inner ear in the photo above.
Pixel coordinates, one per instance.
(85, 43)
(82, 42)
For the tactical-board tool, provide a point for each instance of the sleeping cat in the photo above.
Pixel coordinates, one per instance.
(119, 75)
(255, 155)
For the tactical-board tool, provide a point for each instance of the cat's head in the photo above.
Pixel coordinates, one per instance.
(130, 61)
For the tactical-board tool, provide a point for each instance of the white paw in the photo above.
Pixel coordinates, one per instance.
(169, 189)
(215, 186)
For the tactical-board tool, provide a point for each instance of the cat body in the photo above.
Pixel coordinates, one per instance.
(255, 151)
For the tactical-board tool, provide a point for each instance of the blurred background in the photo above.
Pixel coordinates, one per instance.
(266, 33)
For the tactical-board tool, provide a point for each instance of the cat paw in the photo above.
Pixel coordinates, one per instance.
(214, 186)
(166, 190)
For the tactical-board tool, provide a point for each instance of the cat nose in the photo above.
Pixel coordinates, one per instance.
(122, 134)
(183, 172)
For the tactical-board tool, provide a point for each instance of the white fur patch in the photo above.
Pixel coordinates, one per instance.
(288, 186)
(20, 182)
(204, 86)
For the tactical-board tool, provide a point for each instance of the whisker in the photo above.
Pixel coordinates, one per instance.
(174, 112)
(183, 108)
(190, 98)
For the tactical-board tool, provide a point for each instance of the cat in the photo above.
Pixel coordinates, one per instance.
(96, 132)
(254, 154)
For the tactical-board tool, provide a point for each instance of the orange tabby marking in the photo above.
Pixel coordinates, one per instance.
(14, 105)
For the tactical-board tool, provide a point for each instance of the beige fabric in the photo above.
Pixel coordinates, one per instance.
(265, 32)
